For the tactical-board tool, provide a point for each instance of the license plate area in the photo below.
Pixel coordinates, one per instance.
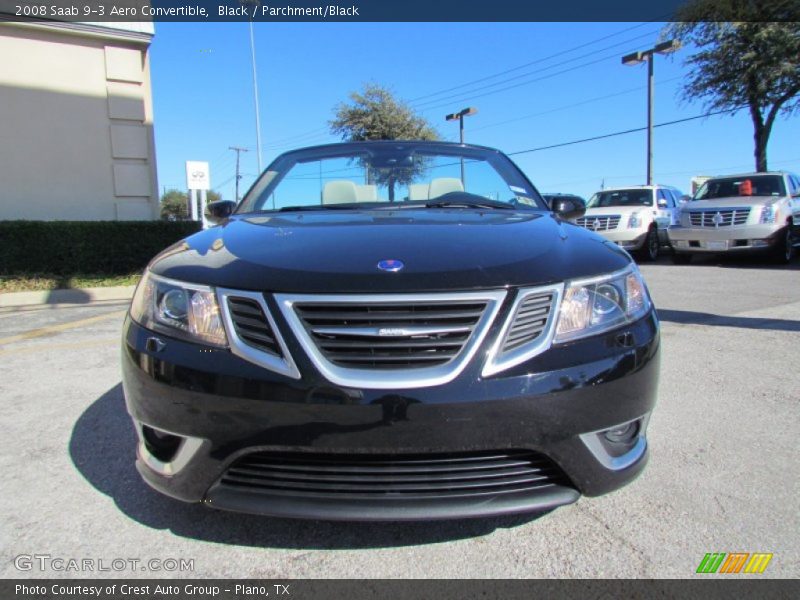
(716, 245)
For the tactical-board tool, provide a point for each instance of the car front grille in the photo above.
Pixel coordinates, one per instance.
(725, 217)
(390, 335)
(600, 223)
(530, 320)
(251, 324)
(392, 476)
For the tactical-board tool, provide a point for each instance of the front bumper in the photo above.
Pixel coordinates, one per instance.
(630, 239)
(225, 408)
(730, 239)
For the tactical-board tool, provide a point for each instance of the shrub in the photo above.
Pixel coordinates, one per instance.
(97, 247)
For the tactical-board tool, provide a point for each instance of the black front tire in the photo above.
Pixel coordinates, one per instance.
(649, 250)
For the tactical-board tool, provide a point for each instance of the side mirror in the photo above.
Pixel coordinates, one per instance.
(568, 208)
(685, 198)
(220, 210)
(662, 203)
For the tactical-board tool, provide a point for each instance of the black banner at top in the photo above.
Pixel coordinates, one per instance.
(355, 10)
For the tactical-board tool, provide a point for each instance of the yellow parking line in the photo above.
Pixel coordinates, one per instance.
(34, 333)
(66, 346)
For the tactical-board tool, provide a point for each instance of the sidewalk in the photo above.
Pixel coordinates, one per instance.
(67, 297)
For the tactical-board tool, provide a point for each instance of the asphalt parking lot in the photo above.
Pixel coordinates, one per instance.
(724, 474)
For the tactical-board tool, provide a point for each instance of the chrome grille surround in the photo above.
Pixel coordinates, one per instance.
(505, 355)
(727, 217)
(599, 222)
(395, 378)
(281, 363)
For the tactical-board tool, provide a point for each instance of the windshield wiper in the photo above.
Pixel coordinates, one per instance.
(468, 203)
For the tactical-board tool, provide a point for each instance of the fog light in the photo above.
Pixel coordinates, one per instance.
(759, 243)
(623, 434)
(160, 444)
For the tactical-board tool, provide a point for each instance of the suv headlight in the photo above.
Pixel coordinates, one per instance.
(634, 221)
(592, 306)
(182, 310)
(769, 213)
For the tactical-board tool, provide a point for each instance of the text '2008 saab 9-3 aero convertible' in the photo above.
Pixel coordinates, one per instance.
(391, 331)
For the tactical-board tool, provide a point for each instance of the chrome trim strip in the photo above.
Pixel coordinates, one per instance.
(392, 379)
(282, 365)
(391, 331)
(188, 448)
(616, 463)
(497, 362)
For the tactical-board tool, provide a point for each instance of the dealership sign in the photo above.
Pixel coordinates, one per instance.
(197, 176)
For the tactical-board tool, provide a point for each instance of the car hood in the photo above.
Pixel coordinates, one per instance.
(338, 251)
(730, 202)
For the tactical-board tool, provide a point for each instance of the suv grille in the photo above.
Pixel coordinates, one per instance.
(601, 223)
(251, 324)
(400, 476)
(530, 320)
(719, 218)
(394, 335)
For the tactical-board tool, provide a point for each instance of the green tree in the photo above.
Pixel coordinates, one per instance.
(375, 114)
(175, 204)
(748, 57)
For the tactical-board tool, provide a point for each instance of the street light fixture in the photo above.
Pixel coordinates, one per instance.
(637, 58)
(460, 116)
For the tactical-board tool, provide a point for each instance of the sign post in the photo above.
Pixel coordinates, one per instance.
(198, 179)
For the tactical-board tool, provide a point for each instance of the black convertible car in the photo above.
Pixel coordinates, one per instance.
(386, 331)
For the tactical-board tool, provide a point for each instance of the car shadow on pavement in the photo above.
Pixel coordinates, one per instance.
(102, 448)
(689, 317)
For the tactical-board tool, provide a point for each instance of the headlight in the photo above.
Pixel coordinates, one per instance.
(769, 213)
(634, 221)
(592, 306)
(182, 310)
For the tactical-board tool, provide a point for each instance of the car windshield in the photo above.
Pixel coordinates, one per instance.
(381, 175)
(751, 185)
(632, 197)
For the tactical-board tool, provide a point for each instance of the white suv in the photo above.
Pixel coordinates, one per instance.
(636, 218)
(741, 214)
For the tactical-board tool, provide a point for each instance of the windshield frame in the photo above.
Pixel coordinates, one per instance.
(651, 191)
(272, 176)
(733, 178)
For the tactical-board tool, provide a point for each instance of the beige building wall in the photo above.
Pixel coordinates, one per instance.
(76, 124)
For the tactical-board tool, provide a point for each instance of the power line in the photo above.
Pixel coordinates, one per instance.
(624, 132)
(468, 94)
(528, 64)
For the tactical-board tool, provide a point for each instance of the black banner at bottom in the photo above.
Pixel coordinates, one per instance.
(708, 587)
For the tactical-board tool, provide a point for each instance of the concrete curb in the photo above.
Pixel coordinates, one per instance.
(67, 297)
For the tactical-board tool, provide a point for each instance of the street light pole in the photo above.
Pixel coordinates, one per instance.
(637, 58)
(460, 116)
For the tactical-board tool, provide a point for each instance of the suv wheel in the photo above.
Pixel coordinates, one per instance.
(650, 247)
(784, 249)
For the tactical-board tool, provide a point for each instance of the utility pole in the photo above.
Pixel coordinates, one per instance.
(459, 116)
(637, 58)
(238, 151)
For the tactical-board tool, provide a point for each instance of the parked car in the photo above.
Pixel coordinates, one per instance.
(752, 212)
(335, 349)
(636, 218)
(550, 197)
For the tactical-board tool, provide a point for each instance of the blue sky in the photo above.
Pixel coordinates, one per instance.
(573, 87)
